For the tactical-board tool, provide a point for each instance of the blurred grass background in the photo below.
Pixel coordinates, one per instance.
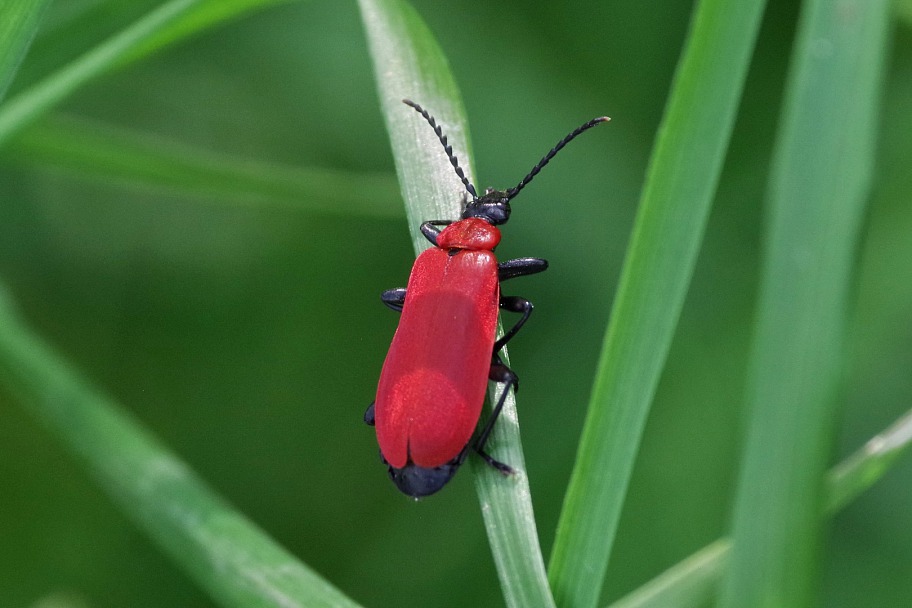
(249, 336)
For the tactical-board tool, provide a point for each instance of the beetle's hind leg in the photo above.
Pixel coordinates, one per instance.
(503, 374)
(499, 373)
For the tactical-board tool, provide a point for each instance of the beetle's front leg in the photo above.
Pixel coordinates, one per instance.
(431, 231)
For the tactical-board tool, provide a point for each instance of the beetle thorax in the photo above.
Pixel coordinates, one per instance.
(472, 233)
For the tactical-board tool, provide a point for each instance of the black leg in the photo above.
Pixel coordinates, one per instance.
(499, 373)
(394, 298)
(369, 415)
(520, 267)
(513, 304)
(431, 231)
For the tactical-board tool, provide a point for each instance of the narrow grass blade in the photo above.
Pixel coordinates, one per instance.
(691, 582)
(682, 178)
(862, 469)
(19, 21)
(205, 15)
(818, 188)
(214, 544)
(165, 24)
(694, 581)
(89, 149)
(408, 63)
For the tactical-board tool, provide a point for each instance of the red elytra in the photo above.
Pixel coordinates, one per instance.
(433, 381)
(427, 406)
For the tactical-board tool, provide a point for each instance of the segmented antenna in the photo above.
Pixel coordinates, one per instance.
(512, 192)
(449, 149)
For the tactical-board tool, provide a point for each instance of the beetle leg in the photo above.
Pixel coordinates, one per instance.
(500, 466)
(513, 304)
(431, 231)
(369, 415)
(499, 373)
(394, 298)
(520, 267)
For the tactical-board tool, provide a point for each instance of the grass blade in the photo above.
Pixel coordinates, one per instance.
(90, 149)
(690, 583)
(203, 16)
(693, 582)
(818, 188)
(408, 63)
(19, 21)
(683, 174)
(862, 469)
(214, 544)
(165, 24)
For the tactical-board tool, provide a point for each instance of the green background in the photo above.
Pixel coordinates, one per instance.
(249, 337)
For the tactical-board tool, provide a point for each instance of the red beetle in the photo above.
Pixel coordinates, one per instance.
(433, 382)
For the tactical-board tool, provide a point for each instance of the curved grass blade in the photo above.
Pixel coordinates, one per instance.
(165, 24)
(680, 185)
(205, 15)
(694, 581)
(19, 21)
(690, 583)
(88, 149)
(821, 171)
(215, 545)
(408, 63)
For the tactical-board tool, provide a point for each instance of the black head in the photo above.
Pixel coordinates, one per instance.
(418, 482)
(494, 205)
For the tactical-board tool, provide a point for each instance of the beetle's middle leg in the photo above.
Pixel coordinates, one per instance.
(394, 298)
(513, 304)
(520, 267)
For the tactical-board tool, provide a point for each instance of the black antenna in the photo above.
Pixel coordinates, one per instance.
(512, 192)
(449, 149)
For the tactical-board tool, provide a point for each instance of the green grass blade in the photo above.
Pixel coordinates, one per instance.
(89, 149)
(694, 581)
(408, 63)
(862, 469)
(818, 188)
(19, 21)
(165, 24)
(682, 178)
(205, 15)
(214, 544)
(690, 583)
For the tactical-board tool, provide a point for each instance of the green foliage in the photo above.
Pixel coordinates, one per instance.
(819, 187)
(215, 545)
(674, 208)
(96, 151)
(18, 23)
(246, 337)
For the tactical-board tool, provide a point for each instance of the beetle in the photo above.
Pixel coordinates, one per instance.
(433, 381)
